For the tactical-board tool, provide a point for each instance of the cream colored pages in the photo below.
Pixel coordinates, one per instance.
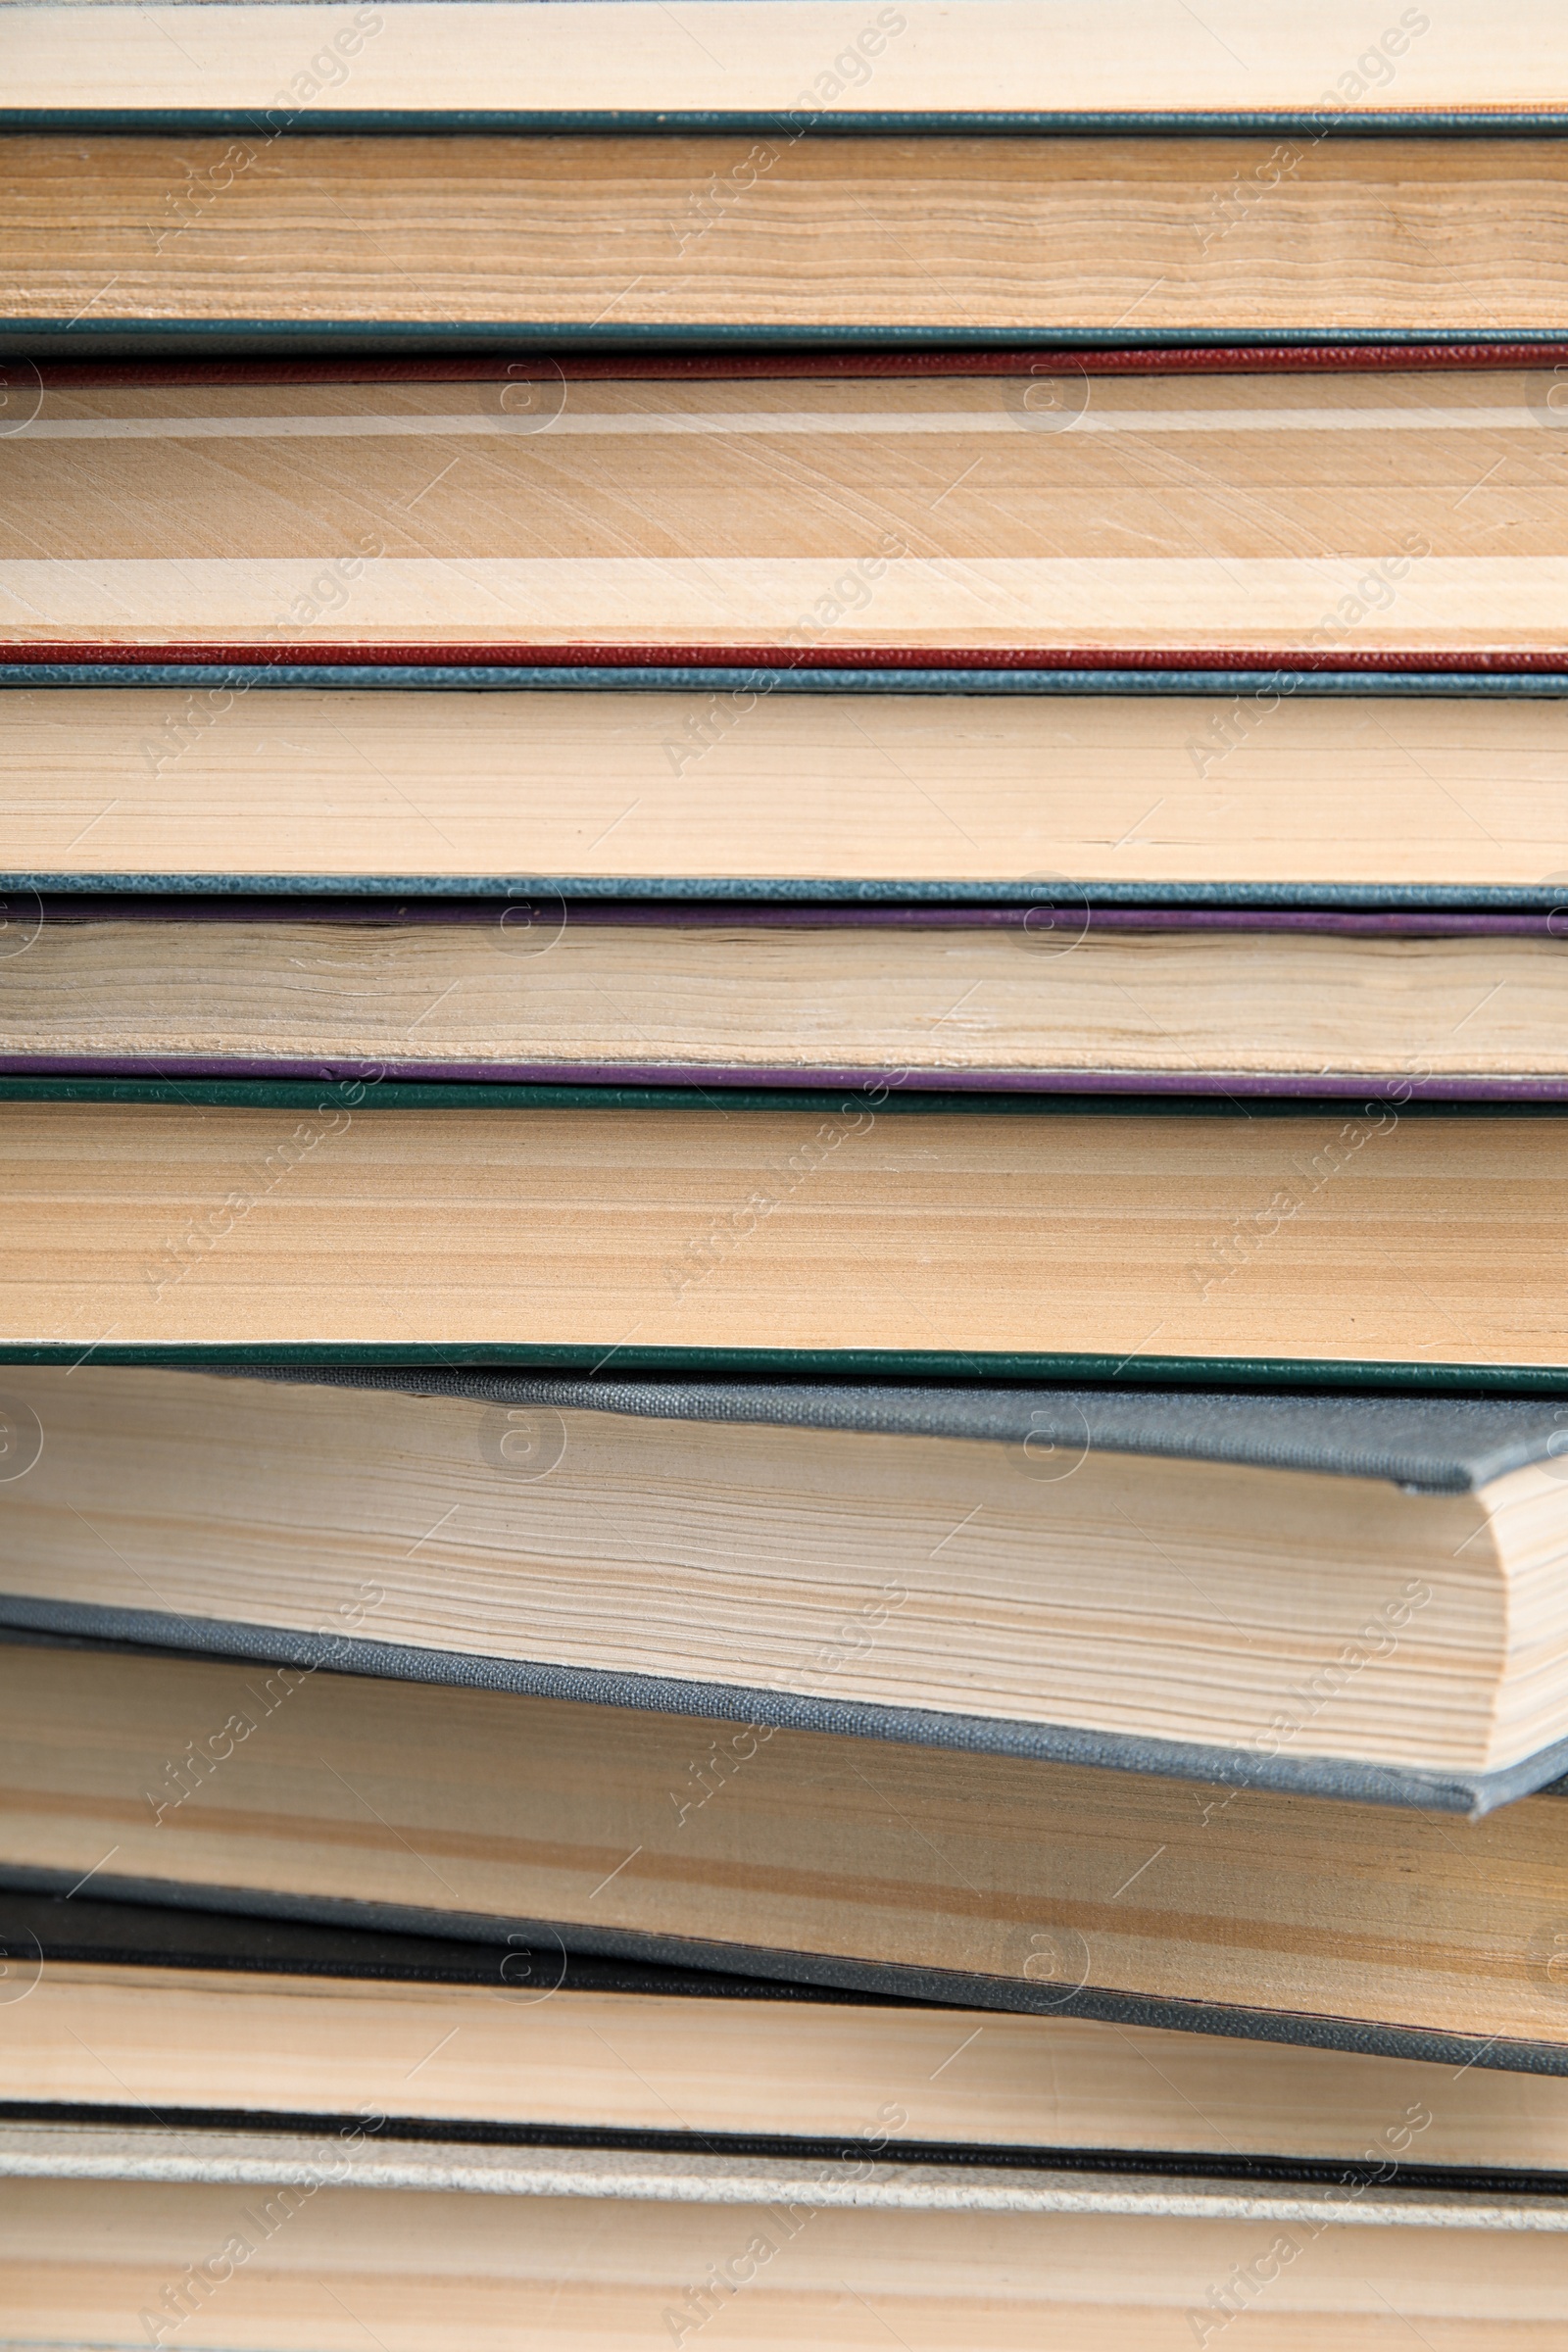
(1171, 1599)
(1334, 517)
(112, 2035)
(836, 56)
(1050, 998)
(1374, 1237)
(957, 236)
(83, 2263)
(1028, 1882)
(1040, 791)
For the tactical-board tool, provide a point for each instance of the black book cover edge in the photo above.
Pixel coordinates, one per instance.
(37, 1927)
(1265, 1374)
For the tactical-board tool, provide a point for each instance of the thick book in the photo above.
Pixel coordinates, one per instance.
(1058, 994)
(1350, 1596)
(874, 1229)
(997, 1882)
(210, 2020)
(1382, 507)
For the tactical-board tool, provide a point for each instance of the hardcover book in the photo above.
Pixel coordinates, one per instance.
(877, 1229)
(1334, 1595)
(1055, 793)
(1253, 508)
(1053, 995)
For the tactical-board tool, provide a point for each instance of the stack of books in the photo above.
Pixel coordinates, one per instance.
(784, 1154)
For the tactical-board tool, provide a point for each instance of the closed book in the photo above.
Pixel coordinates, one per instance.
(877, 1229)
(1249, 508)
(1055, 795)
(1053, 995)
(1334, 1595)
